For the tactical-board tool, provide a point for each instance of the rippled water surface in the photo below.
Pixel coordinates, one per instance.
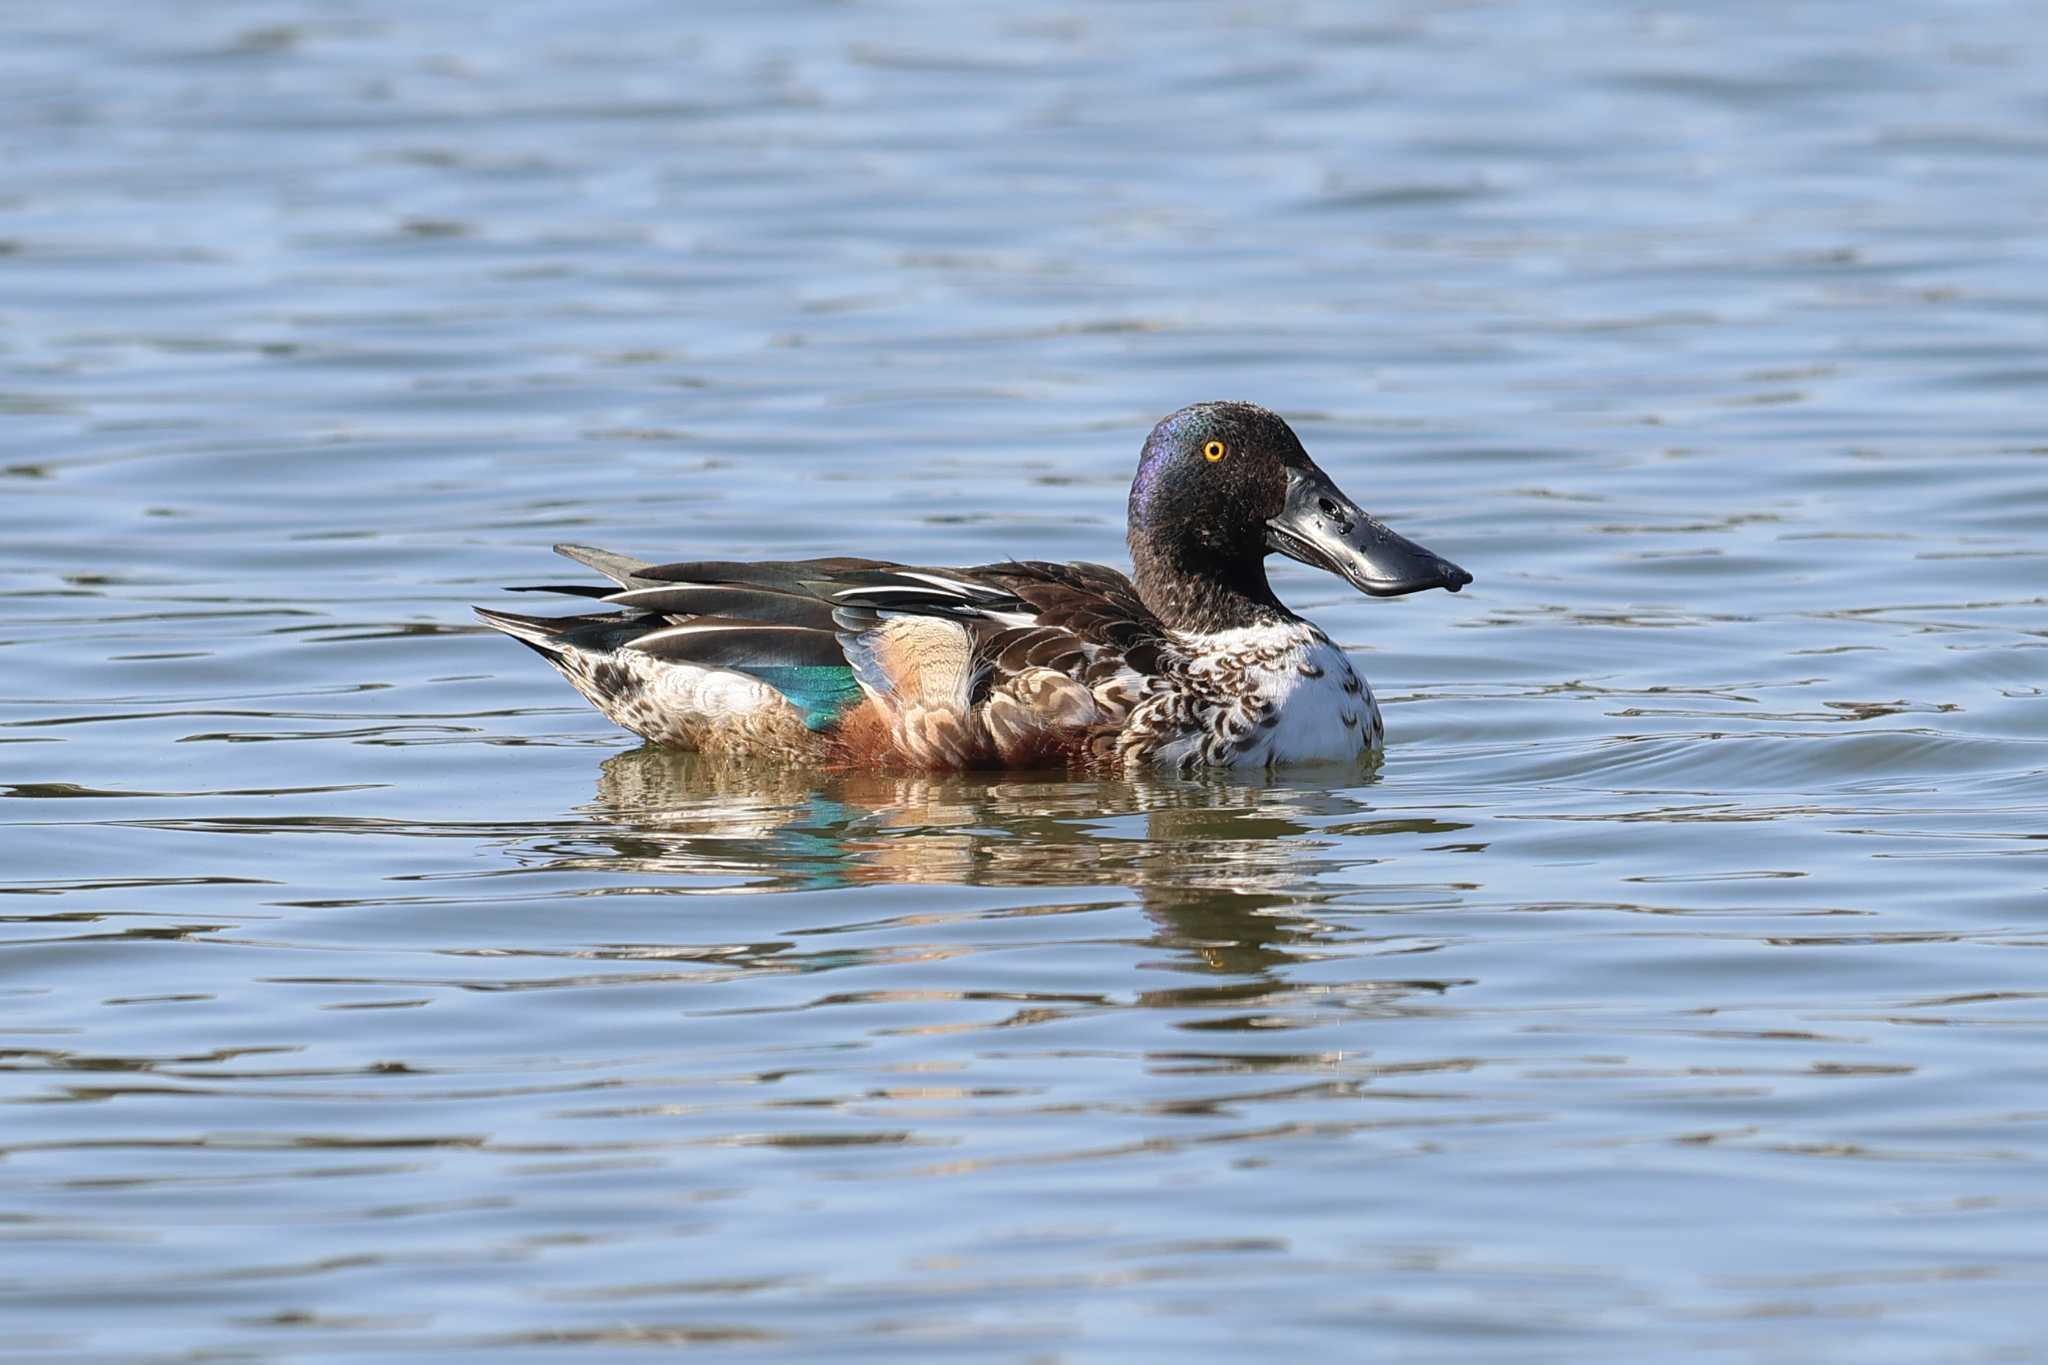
(1677, 987)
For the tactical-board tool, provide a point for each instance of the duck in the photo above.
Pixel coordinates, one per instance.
(1189, 662)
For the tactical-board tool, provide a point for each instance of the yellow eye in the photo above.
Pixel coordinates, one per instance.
(1214, 451)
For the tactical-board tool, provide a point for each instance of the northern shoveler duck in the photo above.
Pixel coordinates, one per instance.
(1190, 662)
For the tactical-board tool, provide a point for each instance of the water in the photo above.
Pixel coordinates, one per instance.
(1674, 990)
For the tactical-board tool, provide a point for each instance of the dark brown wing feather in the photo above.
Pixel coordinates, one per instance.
(1090, 621)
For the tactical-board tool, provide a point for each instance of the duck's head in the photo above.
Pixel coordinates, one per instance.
(1222, 485)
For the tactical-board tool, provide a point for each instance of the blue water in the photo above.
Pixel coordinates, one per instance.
(1673, 990)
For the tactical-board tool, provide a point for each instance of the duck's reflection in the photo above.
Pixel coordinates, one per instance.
(1232, 871)
(779, 829)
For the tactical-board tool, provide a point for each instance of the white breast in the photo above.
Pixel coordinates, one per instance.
(1316, 707)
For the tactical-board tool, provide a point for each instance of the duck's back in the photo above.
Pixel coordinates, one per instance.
(854, 660)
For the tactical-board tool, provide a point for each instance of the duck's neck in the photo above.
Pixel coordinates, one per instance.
(1220, 595)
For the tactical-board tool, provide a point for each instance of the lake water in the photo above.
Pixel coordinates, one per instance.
(1677, 988)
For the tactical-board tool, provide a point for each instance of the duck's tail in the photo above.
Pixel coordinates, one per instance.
(555, 638)
(539, 634)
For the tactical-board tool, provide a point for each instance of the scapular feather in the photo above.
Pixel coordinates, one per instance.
(735, 601)
(778, 575)
(599, 590)
(742, 645)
